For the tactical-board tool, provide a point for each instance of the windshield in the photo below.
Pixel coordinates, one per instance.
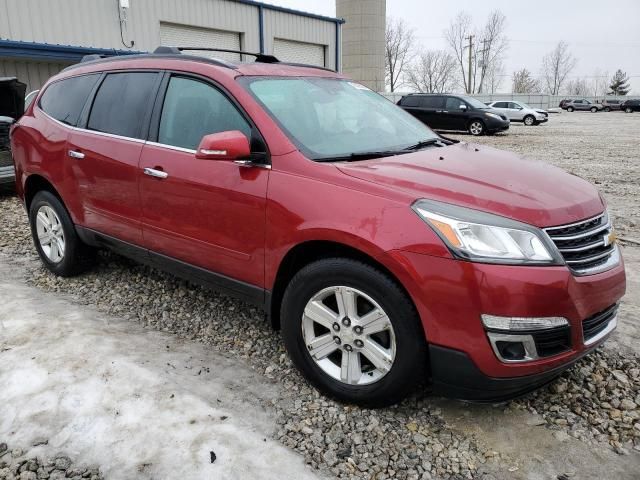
(475, 103)
(328, 117)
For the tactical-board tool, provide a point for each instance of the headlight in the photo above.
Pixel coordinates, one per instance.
(493, 115)
(483, 237)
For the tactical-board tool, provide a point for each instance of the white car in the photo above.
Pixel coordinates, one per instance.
(520, 112)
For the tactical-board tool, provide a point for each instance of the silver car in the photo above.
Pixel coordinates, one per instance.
(584, 105)
(520, 112)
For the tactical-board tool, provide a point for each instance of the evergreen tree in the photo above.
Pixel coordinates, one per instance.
(619, 83)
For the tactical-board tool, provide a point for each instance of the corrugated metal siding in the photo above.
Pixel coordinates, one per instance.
(34, 74)
(299, 52)
(301, 29)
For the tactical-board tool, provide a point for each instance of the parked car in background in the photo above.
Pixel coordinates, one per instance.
(583, 105)
(609, 105)
(386, 254)
(563, 103)
(11, 107)
(630, 106)
(520, 112)
(454, 112)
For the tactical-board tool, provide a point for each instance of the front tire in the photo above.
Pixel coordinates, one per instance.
(476, 127)
(353, 332)
(55, 238)
(529, 120)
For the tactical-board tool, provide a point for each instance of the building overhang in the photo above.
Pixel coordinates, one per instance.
(48, 52)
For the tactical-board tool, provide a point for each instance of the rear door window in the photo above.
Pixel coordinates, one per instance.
(63, 100)
(122, 103)
(433, 102)
(193, 109)
(500, 105)
(412, 101)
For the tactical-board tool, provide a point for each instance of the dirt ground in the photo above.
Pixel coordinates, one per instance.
(586, 425)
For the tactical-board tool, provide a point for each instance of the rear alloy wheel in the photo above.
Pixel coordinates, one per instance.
(569, 109)
(55, 237)
(594, 109)
(353, 332)
(476, 127)
(529, 120)
(607, 109)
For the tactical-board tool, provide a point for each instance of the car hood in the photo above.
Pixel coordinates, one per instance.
(486, 179)
(12, 97)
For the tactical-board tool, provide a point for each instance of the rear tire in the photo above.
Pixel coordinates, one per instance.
(372, 353)
(476, 128)
(570, 109)
(594, 109)
(607, 109)
(55, 238)
(529, 120)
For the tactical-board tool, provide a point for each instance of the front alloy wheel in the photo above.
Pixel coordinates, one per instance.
(476, 127)
(353, 332)
(348, 335)
(529, 120)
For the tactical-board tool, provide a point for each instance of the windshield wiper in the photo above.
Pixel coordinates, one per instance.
(423, 144)
(360, 156)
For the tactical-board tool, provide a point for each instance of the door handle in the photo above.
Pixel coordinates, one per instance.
(76, 154)
(152, 172)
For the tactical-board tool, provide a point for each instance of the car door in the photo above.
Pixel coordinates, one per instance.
(456, 114)
(206, 213)
(514, 112)
(502, 107)
(105, 153)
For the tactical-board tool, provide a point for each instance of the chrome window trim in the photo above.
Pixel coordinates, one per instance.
(94, 132)
(613, 323)
(172, 147)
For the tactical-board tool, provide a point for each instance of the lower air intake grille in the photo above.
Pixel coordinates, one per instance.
(595, 324)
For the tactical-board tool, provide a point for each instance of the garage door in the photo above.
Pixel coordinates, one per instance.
(298, 52)
(174, 35)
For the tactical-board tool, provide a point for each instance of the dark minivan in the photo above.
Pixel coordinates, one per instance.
(454, 112)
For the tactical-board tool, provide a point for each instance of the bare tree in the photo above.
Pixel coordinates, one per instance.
(523, 82)
(399, 40)
(494, 77)
(487, 48)
(432, 72)
(456, 36)
(556, 66)
(577, 87)
(491, 47)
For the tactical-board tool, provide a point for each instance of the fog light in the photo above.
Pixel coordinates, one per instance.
(508, 324)
(511, 350)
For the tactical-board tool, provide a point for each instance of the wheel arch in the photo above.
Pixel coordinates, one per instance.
(309, 251)
(36, 183)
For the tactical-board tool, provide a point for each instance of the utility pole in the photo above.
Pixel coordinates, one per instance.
(483, 63)
(470, 38)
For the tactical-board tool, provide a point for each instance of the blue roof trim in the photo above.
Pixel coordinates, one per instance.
(53, 52)
(276, 8)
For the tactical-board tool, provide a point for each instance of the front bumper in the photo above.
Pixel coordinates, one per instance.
(451, 295)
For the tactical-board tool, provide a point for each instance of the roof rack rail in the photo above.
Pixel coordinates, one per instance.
(94, 56)
(260, 57)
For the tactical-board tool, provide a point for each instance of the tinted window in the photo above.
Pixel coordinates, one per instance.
(121, 104)
(433, 102)
(500, 105)
(193, 109)
(453, 103)
(64, 100)
(412, 101)
(514, 106)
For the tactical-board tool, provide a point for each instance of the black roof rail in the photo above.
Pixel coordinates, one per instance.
(260, 57)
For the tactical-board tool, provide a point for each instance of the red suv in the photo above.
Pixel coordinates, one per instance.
(387, 254)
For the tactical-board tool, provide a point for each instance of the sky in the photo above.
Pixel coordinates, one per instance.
(601, 35)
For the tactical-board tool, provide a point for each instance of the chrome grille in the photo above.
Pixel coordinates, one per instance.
(585, 246)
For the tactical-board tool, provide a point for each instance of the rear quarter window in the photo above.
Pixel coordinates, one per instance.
(64, 99)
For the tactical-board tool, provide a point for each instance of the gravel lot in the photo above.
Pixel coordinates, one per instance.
(585, 425)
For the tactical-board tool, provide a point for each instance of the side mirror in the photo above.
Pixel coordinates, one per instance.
(230, 145)
(462, 107)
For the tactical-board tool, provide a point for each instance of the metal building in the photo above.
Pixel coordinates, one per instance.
(38, 38)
